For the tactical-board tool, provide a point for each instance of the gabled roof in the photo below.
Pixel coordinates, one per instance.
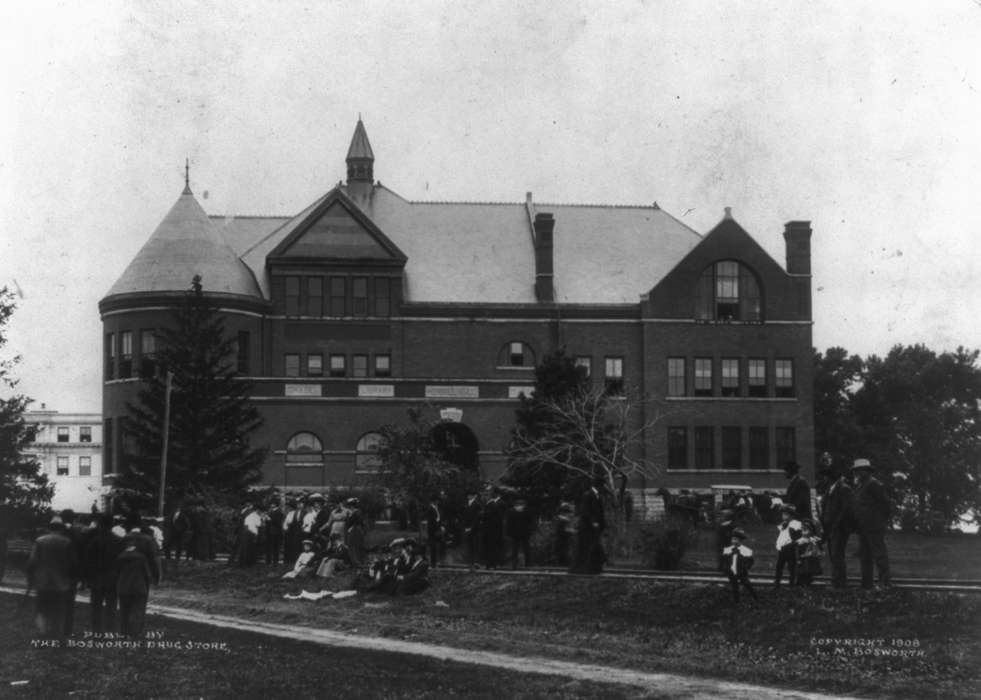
(184, 244)
(336, 230)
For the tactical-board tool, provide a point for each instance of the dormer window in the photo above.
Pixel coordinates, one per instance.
(728, 291)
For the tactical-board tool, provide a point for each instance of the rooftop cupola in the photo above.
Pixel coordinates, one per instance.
(360, 159)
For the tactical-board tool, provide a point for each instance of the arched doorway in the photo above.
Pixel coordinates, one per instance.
(457, 443)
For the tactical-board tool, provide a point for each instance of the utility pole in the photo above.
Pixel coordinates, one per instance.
(163, 453)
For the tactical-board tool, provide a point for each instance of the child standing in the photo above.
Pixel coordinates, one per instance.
(808, 554)
(788, 532)
(738, 560)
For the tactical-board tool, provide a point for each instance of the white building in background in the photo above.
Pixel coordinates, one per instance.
(69, 448)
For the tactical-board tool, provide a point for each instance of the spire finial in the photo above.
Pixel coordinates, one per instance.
(187, 176)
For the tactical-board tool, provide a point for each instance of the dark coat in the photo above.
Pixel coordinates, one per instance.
(53, 565)
(518, 524)
(592, 518)
(138, 565)
(872, 508)
(799, 496)
(100, 559)
(838, 509)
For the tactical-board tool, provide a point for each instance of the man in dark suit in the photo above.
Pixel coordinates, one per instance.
(519, 527)
(137, 566)
(798, 491)
(176, 530)
(52, 573)
(872, 512)
(592, 523)
(100, 573)
(274, 532)
(471, 527)
(79, 540)
(436, 531)
(492, 529)
(837, 522)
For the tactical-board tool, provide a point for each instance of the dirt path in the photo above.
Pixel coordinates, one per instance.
(657, 684)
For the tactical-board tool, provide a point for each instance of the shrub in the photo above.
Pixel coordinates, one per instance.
(665, 542)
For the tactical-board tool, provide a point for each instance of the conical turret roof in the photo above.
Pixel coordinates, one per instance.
(360, 147)
(186, 243)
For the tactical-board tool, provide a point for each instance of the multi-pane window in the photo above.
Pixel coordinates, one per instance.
(359, 295)
(315, 296)
(315, 364)
(728, 291)
(304, 448)
(366, 453)
(676, 376)
(359, 366)
(783, 377)
(759, 447)
(677, 447)
(730, 376)
(586, 362)
(613, 375)
(338, 365)
(786, 438)
(110, 355)
(704, 447)
(85, 466)
(338, 296)
(516, 355)
(292, 296)
(242, 352)
(383, 296)
(756, 373)
(732, 447)
(383, 365)
(62, 433)
(85, 433)
(148, 352)
(292, 364)
(61, 466)
(125, 354)
(703, 376)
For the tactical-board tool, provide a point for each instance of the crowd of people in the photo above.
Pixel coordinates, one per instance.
(117, 560)
(849, 503)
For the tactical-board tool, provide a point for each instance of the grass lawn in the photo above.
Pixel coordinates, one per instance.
(250, 666)
(911, 555)
(806, 639)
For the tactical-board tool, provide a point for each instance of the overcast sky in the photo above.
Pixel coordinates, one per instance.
(862, 117)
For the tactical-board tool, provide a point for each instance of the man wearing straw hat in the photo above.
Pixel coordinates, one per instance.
(872, 511)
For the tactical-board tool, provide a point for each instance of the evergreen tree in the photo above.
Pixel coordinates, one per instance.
(24, 489)
(211, 418)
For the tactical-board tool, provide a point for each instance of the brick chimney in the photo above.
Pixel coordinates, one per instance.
(544, 226)
(797, 236)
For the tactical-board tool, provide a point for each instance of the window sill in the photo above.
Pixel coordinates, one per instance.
(731, 398)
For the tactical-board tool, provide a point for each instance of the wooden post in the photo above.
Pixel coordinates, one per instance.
(163, 453)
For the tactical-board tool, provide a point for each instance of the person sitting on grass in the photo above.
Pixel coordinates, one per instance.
(788, 532)
(382, 572)
(413, 570)
(808, 554)
(337, 556)
(304, 565)
(738, 560)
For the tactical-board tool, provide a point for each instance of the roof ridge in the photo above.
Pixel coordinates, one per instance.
(483, 203)
(250, 216)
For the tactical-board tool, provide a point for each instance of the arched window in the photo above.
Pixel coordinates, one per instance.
(728, 291)
(304, 448)
(366, 457)
(516, 354)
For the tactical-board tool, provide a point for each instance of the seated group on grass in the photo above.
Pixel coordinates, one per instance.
(404, 571)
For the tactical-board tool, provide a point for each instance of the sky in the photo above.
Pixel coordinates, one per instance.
(861, 117)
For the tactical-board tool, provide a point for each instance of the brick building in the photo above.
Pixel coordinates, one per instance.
(365, 304)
